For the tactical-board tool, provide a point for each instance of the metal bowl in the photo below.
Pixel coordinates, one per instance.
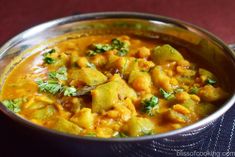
(202, 44)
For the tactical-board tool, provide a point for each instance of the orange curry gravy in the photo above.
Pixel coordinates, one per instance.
(112, 86)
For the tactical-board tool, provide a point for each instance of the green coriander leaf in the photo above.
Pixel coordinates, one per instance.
(165, 94)
(14, 105)
(122, 52)
(99, 48)
(91, 53)
(51, 86)
(70, 91)
(194, 90)
(60, 74)
(150, 105)
(39, 81)
(47, 59)
(102, 47)
(62, 70)
(51, 51)
(122, 47)
(52, 75)
(210, 81)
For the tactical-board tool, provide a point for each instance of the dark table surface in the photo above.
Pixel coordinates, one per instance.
(217, 16)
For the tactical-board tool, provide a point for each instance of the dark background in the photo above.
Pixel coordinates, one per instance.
(217, 16)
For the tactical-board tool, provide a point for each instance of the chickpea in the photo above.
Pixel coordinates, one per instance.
(195, 98)
(139, 84)
(174, 81)
(181, 109)
(143, 52)
(120, 62)
(145, 64)
(182, 96)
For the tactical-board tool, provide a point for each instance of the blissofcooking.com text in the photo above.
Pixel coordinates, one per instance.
(207, 153)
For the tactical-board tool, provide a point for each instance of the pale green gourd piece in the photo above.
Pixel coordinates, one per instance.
(84, 118)
(138, 126)
(44, 113)
(190, 104)
(208, 74)
(90, 76)
(204, 109)
(137, 74)
(105, 96)
(174, 116)
(165, 53)
(63, 125)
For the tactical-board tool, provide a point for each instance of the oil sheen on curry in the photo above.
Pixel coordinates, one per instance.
(112, 86)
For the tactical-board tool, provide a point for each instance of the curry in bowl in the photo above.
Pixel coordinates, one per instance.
(112, 86)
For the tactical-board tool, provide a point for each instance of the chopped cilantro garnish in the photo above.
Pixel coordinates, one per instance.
(102, 47)
(70, 91)
(99, 48)
(165, 94)
(60, 74)
(14, 104)
(120, 46)
(52, 87)
(194, 90)
(47, 59)
(51, 51)
(150, 105)
(210, 81)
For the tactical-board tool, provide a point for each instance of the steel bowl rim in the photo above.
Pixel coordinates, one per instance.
(129, 15)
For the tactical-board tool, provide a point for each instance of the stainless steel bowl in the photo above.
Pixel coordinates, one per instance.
(203, 44)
